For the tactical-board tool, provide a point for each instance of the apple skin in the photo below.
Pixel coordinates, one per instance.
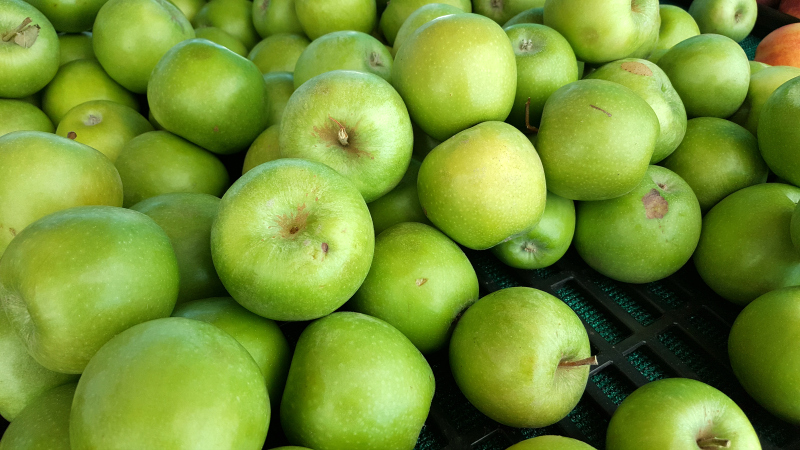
(320, 17)
(158, 162)
(168, 383)
(601, 31)
(278, 52)
(130, 36)
(711, 74)
(219, 36)
(420, 17)
(75, 46)
(778, 133)
(454, 72)
(189, 8)
(43, 173)
(677, 25)
(103, 125)
(16, 115)
(343, 50)
(187, 220)
(791, 7)
(502, 11)
(675, 413)
(399, 205)
(235, 17)
(209, 95)
(43, 424)
(463, 185)
(505, 354)
(534, 15)
(728, 148)
(336, 399)
(265, 148)
(745, 247)
(756, 67)
(69, 16)
(397, 13)
(546, 243)
(762, 84)
(280, 86)
(781, 47)
(275, 16)
(732, 18)
(25, 71)
(596, 139)
(551, 443)
(314, 227)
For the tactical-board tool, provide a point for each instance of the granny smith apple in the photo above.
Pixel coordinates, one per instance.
(419, 18)
(69, 16)
(278, 52)
(74, 279)
(30, 49)
(419, 282)
(454, 72)
(756, 67)
(275, 16)
(43, 173)
(291, 447)
(745, 247)
(189, 8)
(423, 144)
(130, 36)
(546, 243)
(642, 236)
(398, 11)
(501, 11)
(601, 31)
(320, 17)
(170, 383)
(521, 357)
(338, 399)
(218, 36)
(264, 149)
(280, 86)
(463, 185)
(209, 95)
(79, 82)
(343, 50)
(293, 240)
(75, 46)
(235, 17)
(551, 443)
(354, 122)
(778, 134)
(158, 162)
(762, 84)
(16, 115)
(680, 413)
(732, 18)
(677, 25)
(399, 205)
(710, 73)
(596, 140)
(103, 125)
(533, 15)
(717, 158)
(43, 424)
(187, 220)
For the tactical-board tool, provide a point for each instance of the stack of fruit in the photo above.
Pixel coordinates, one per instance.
(143, 283)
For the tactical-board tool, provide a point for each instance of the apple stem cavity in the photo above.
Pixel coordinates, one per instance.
(590, 361)
(342, 135)
(528, 117)
(712, 443)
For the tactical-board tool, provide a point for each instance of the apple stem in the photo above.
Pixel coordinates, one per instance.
(711, 443)
(342, 135)
(528, 117)
(10, 35)
(590, 361)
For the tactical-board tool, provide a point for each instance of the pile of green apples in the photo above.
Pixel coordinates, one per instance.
(143, 283)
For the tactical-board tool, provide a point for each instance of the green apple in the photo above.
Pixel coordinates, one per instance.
(398, 11)
(69, 16)
(343, 50)
(30, 49)
(642, 236)
(158, 162)
(209, 95)
(545, 62)
(778, 133)
(534, 15)
(320, 17)
(710, 73)
(596, 140)
(732, 18)
(278, 52)
(756, 67)
(259, 336)
(130, 36)
(189, 8)
(520, 356)
(293, 240)
(677, 25)
(601, 31)
(717, 158)
(187, 220)
(653, 85)
(22, 379)
(43, 173)
(170, 383)
(81, 81)
(680, 413)
(745, 247)
(399, 205)
(338, 399)
(551, 443)
(74, 279)
(454, 72)
(463, 185)
(264, 149)
(235, 17)
(419, 282)
(423, 144)
(762, 85)
(419, 18)
(43, 424)
(275, 16)
(280, 86)
(291, 447)
(501, 11)
(354, 122)
(16, 115)
(103, 125)
(220, 37)
(75, 46)
(546, 243)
